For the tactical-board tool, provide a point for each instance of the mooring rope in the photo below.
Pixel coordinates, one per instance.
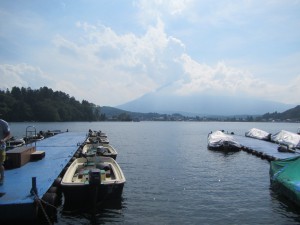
(39, 201)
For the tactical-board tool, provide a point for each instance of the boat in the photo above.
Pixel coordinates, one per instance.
(97, 139)
(33, 138)
(96, 133)
(91, 179)
(50, 133)
(258, 134)
(285, 178)
(286, 138)
(14, 143)
(286, 148)
(220, 141)
(100, 150)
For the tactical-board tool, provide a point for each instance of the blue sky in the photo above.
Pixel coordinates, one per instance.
(110, 52)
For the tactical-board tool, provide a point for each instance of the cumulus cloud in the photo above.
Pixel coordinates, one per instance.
(112, 61)
(22, 75)
(222, 79)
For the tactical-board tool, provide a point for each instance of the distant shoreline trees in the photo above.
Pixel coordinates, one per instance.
(45, 105)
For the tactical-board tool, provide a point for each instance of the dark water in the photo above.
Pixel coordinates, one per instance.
(173, 179)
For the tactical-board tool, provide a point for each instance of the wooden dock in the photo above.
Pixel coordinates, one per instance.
(17, 199)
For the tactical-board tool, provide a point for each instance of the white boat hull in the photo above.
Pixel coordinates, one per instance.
(79, 187)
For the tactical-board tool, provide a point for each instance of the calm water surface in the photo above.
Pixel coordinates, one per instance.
(173, 179)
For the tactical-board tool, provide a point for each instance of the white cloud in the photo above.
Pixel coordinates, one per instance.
(151, 11)
(22, 75)
(225, 80)
(126, 66)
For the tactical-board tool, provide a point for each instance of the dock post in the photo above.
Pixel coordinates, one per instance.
(33, 186)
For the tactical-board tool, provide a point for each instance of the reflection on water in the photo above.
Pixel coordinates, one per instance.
(108, 209)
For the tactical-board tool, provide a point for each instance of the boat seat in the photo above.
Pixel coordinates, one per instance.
(112, 174)
(102, 166)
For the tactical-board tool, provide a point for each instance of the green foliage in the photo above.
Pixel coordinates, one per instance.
(44, 104)
(124, 117)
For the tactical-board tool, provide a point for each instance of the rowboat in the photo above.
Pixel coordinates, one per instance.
(98, 139)
(100, 150)
(13, 143)
(92, 179)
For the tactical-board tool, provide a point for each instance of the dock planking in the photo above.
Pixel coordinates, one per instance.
(16, 200)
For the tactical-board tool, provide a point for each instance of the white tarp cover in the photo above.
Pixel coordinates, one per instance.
(258, 134)
(218, 137)
(287, 138)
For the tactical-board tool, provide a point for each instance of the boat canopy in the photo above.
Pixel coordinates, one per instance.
(258, 134)
(287, 138)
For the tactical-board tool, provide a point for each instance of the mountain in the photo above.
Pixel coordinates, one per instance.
(112, 113)
(291, 114)
(202, 105)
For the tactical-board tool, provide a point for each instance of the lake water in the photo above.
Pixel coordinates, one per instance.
(172, 178)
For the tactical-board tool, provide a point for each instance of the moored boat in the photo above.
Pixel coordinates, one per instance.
(92, 179)
(258, 134)
(99, 150)
(13, 143)
(285, 178)
(98, 139)
(220, 141)
(96, 133)
(286, 138)
(33, 138)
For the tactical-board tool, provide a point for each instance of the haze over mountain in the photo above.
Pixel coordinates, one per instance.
(202, 104)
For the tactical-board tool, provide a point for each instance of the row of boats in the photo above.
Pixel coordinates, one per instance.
(284, 173)
(14, 142)
(95, 174)
(287, 141)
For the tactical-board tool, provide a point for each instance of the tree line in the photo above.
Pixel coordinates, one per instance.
(45, 105)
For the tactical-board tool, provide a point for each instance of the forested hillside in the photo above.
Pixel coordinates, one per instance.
(290, 115)
(44, 104)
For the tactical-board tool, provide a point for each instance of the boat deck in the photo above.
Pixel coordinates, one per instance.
(82, 174)
(263, 147)
(15, 193)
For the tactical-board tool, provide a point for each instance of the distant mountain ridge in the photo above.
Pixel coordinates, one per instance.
(290, 114)
(202, 105)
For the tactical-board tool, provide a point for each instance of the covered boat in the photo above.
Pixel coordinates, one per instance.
(286, 138)
(258, 134)
(92, 179)
(100, 150)
(220, 141)
(285, 178)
